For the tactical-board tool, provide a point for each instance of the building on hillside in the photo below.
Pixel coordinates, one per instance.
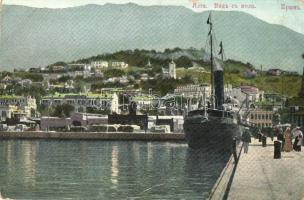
(261, 118)
(118, 64)
(172, 70)
(52, 76)
(57, 68)
(26, 82)
(165, 73)
(296, 106)
(100, 64)
(252, 73)
(82, 102)
(7, 80)
(274, 72)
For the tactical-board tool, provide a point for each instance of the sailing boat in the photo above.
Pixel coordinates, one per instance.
(215, 125)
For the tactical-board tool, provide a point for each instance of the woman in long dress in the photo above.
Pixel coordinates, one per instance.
(288, 140)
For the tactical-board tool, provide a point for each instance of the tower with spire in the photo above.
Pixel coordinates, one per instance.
(172, 69)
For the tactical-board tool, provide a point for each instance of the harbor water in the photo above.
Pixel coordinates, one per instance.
(45, 169)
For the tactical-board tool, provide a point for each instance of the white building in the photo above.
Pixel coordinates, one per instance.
(196, 91)
(172, 70)
(83, 101)
(239, 93)
(7, 111)
(20, 104)
(100, 64)
(118, 64)
(144, 101)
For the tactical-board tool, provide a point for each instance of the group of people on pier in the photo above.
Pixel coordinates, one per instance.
(291, 139)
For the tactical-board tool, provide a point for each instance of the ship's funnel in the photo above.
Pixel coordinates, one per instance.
(218, 85)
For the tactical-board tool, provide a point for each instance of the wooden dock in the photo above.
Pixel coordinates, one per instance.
(260, 176)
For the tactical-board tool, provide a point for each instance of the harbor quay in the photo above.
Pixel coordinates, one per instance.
(258, 175)
(94, 136)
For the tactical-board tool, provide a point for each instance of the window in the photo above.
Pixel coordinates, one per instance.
(3, 114)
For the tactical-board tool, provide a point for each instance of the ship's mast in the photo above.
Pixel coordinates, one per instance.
(0, 20)
(221, 52)
(211, 60)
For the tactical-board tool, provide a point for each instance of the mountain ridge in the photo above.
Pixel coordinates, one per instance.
(40, 36)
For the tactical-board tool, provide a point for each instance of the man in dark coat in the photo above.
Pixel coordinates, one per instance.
(246, 138)
(281, 138)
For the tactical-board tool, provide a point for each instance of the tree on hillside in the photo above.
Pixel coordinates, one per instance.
(35, 77)
(184, 61)
(63, 110)
(60, 63)
(114, 73)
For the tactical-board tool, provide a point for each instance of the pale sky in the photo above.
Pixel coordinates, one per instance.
(268, 10)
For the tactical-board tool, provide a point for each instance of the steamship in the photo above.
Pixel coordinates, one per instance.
(214, 125)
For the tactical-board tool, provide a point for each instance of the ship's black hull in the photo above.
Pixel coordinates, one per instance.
(216, 135)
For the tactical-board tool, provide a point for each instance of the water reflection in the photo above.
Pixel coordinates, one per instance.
(203, 167)
(114, 166)
(29, 150)
(106, 170)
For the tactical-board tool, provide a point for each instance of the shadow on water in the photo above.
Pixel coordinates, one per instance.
(203, 167)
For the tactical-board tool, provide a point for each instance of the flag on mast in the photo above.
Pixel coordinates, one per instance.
(221, 48)
(209, 19)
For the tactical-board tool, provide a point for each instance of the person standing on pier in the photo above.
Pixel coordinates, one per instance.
(280, 137)
(298, 139)
(288, 140)
(246, 138)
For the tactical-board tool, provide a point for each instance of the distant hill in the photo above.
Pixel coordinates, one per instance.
(33, 37)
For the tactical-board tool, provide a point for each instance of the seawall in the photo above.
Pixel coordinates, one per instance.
(222, 186)
(93, 136)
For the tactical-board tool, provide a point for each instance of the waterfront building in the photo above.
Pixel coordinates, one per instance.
(261, 118)
(144, 101)
(7, 111)
(239, 93)
(175, 122)
(26, 105)
(76, 119)
(296, 106)
(193, 91)
(83, 101)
